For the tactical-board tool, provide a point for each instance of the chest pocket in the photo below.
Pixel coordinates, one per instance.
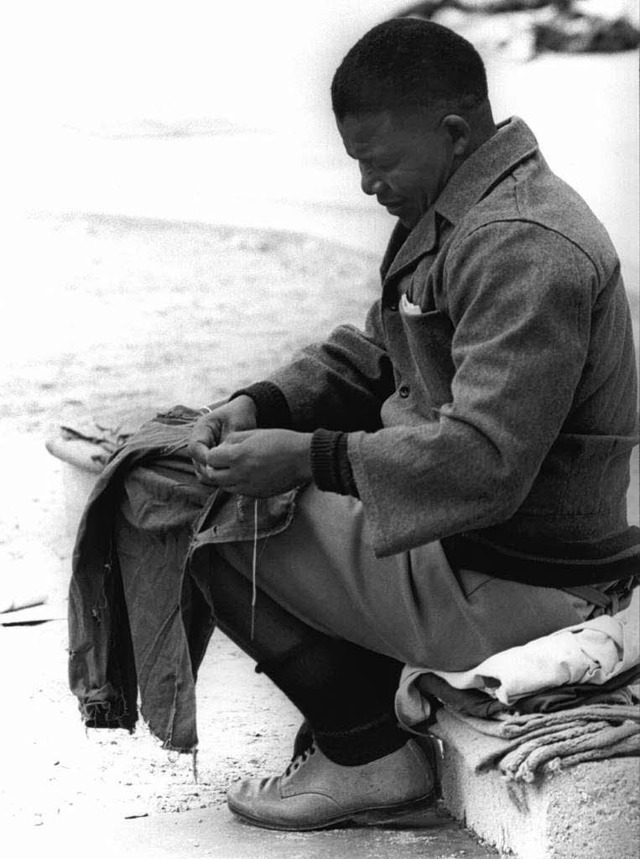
(428, 337)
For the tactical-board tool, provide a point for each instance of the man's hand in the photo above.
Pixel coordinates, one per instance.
(213, 428)
(260, 463)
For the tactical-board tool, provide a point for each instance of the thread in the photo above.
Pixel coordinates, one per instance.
(254, 567)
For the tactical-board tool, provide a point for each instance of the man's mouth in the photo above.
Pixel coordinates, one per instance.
(391, 205)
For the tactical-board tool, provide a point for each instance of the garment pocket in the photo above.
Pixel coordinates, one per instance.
(429, 337)
(233, 518)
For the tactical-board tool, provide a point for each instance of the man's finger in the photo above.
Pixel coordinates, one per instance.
(198, 452)
(240, 436)
(210, 476)
(203, 438)
(222, 456)
(219, 477)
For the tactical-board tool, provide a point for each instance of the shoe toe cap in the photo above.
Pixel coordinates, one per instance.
(261, 801)
(251, 791)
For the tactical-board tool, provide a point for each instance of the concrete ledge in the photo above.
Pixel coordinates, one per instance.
(590, 811)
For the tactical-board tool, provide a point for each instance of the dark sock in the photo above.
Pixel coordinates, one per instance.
(344, 691)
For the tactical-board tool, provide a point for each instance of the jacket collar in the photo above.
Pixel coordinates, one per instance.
(513, 143)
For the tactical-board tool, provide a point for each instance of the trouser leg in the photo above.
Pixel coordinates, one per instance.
(412, 607)
(344, 691)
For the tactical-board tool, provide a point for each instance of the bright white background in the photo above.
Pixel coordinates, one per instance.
(219, 112)
(76, 70)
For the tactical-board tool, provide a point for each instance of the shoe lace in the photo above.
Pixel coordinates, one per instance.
(300, 759)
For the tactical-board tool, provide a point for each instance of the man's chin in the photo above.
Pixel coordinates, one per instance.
(407, 218)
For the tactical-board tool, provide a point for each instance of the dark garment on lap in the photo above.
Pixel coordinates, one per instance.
(151, 633)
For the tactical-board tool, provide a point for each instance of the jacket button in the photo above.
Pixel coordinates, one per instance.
(403, 390)
(393, 306)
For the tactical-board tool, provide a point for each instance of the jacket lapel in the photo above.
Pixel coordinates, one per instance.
(476, 177)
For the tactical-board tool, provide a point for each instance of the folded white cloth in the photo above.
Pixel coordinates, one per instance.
(591, 652)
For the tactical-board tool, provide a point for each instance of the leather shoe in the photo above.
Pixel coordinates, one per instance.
(315, 793)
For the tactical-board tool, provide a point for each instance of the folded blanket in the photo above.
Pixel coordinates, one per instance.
(592, 652)
(524, 747)
(473, 702)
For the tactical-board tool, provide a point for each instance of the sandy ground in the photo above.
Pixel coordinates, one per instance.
(57, 778)
(245, 727)
(163, 316)
(138, 314)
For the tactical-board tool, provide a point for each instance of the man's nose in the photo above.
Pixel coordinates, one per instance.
(369, 182)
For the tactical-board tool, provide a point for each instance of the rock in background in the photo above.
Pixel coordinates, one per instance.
(526, 28)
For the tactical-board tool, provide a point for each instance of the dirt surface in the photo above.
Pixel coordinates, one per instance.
(139, 314)
(150, 314)
(55, 769)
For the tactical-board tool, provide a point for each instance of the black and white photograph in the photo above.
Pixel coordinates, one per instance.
(320, 518)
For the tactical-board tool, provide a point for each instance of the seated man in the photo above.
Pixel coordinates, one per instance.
(450, 482)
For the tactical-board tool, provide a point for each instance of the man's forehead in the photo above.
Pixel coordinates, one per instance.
(365, 133)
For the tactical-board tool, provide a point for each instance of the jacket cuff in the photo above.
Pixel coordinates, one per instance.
(272, 409)
(330, 464)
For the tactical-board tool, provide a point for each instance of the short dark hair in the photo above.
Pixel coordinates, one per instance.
(408, 63)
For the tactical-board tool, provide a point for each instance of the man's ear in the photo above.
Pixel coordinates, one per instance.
(458, 131)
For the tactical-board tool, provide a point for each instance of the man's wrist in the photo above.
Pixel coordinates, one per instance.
(272, 410)
(304, 457)
(245, 402)
(330, 466)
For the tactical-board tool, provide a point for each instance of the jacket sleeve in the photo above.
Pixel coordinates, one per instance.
(519, 297)
(339, 384)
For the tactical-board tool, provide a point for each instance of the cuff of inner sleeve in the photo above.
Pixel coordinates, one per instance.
(272, 409)
(330, 464)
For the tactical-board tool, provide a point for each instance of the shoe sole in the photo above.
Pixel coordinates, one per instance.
(416, 813)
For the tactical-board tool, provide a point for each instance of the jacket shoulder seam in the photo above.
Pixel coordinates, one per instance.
(524, 220)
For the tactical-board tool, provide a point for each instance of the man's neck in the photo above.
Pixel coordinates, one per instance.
(482, 128)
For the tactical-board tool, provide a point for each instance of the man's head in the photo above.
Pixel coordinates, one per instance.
(410, 99)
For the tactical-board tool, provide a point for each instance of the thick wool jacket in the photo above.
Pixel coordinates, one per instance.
(490, 401)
